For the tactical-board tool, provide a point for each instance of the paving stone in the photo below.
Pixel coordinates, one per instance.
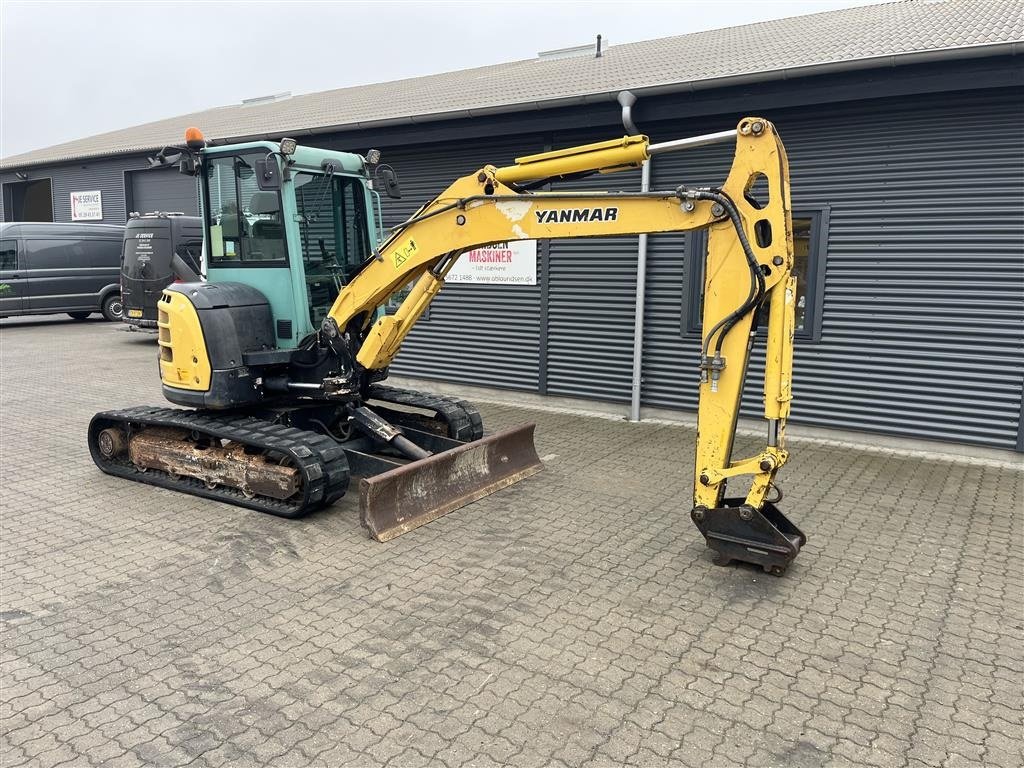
(571, 620)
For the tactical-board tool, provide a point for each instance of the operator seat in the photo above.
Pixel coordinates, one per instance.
(267, 234)
(230, 225)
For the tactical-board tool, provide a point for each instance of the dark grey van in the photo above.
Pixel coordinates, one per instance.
(159, 249)
(47, 269)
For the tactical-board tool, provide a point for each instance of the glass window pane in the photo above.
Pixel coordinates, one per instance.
(96, 253)
(65, 254)
(317, 219)
(357, 230)
(8, 254)
(223, 217)
(396, 298)
(190, 252)
(804, 239)
(333, 235)
(246, 225)
(802, 229)
(262, 225)
(318, 225)
(46, 254)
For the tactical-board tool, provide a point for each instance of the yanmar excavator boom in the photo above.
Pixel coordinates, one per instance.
(279, 355)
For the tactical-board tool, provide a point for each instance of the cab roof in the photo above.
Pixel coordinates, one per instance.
(304, 157)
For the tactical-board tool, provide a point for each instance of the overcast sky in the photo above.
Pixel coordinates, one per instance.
(77, 69)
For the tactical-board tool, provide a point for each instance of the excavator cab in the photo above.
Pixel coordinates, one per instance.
(294, 227)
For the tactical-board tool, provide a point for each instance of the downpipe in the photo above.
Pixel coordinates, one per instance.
(638, 317)
(626, 101)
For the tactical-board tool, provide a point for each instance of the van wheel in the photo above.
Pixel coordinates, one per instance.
(113, 307)
(79, 315)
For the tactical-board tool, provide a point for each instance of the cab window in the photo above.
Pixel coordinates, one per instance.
(332, 221)
(190, 252)
(244, 222)
(334, 235)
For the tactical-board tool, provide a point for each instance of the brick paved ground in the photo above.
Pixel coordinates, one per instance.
(572, 620)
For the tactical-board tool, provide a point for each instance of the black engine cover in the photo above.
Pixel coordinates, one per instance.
(236, 319)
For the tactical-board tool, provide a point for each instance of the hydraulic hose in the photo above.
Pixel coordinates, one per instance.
(320, 358)
(756, 277)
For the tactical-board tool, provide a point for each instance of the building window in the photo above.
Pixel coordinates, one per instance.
(810, 239)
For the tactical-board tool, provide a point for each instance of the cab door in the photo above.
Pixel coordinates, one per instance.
(334, 235)
(12, 285)
(247, 242)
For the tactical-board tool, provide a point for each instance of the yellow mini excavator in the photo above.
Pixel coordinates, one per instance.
(279, 354)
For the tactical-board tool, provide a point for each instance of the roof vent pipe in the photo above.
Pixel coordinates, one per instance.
(597, 55)
(627, 100)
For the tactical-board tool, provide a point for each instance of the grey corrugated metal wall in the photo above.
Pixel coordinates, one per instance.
(593, 285)
(106, 175)
(922, 326)
(923, 312)
(922, 331)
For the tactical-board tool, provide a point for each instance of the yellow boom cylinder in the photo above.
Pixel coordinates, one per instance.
(604, 156)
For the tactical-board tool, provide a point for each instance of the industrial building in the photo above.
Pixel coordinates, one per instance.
(903, 127)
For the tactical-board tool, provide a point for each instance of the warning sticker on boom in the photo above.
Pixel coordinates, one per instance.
(404, 252)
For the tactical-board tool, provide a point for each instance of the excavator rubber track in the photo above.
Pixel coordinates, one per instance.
(459, 419)
(322, 466)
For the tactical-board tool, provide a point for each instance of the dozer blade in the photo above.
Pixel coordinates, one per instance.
(414, 494)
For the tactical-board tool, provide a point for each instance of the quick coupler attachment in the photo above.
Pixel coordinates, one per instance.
(737, 531)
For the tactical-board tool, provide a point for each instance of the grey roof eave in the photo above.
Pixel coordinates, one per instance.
(980, 50)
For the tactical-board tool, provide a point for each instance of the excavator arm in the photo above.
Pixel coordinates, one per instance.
(748, 271)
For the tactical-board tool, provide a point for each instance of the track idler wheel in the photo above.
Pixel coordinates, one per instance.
(738, 531)
(112, 442)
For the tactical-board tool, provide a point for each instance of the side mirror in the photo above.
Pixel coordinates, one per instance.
(390, 178)
(164, 158)
(268, 175)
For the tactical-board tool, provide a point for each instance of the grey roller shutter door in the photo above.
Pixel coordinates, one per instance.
(923, 312)
(163, 190)
(108, 175)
